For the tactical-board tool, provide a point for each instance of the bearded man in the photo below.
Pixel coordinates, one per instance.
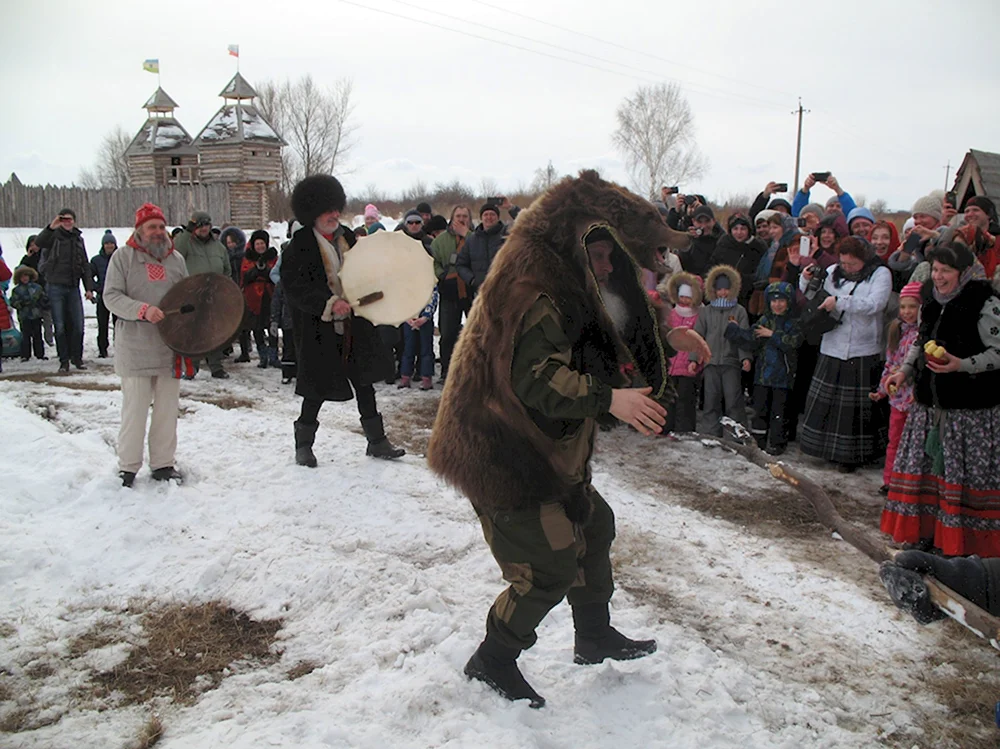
(139, 275)
(562, 333)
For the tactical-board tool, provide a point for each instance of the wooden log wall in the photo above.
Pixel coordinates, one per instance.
(34, 207)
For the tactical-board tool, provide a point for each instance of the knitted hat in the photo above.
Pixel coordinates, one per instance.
(488, 207)
(108, 237)
(437, 223)
(764, 215)
(31, 239)
(908, 224)
(702, 211)
(148, 212)
(200, 218)
(859, 212)
(738, 219)
(424, 208)
(928, 205)
(984, 204)
(413, 216)
(779, 290)
(777, 203)
(832, 201)
(68, 212)
(722, 282)
(315, 195)
(911, 290)
(814, 208)
(371, 211)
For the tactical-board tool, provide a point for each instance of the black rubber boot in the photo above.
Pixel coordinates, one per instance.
(597, 640)
(379, 445)
(262, 357)
(167, 473)
(127, 477)
(305, 435)
(496, 666)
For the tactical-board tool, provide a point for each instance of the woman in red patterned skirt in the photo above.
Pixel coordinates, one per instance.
(944, 492)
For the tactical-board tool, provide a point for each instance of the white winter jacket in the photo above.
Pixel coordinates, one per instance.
(861, 330)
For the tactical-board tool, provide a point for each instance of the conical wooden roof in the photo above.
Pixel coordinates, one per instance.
(238, 88)
(161, 133)
(160, 101)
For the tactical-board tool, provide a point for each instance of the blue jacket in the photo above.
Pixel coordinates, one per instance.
(99, 270)
(801, 200)
(29, 300)
(776, 357)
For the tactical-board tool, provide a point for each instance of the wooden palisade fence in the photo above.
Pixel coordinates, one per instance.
(31, 206)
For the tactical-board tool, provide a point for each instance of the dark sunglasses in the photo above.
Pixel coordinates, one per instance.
(415, 222)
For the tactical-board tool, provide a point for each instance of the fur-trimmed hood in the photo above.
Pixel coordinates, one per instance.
(21, 270)
(484, 441)
(734, 281)
(679, 279)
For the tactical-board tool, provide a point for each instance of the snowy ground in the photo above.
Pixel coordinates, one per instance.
(771, 633)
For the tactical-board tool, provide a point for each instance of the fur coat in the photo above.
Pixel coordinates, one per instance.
(484, 442)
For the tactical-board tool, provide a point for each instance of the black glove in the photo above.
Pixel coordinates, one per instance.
(578, 506)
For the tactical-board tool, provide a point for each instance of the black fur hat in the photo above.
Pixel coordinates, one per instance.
(315, 195)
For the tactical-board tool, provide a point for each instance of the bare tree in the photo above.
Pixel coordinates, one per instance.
(314, 120)
(414, 193)
(656, 136)
(545, 177)
(879, 207)
(488, 187)
(111, 168)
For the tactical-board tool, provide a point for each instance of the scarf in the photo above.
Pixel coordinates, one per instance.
(722, 303)
(963, 279)
(332, 254)
(686, 311)
(764, 267)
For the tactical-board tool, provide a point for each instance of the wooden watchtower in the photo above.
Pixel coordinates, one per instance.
(240, 148)
(162, 152)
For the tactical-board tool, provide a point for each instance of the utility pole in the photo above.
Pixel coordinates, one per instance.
(947, 171)
(798, 145)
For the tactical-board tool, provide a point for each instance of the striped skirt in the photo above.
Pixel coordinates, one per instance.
(840, 423)
(960, 510)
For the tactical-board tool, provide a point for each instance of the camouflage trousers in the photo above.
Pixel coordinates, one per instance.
(546, 557)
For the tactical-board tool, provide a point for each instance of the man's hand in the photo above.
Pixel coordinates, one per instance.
(746, 365)
(808, 184)
(461, 230)
(925, 233)
(681, 205)
(685, 339)
(829, 304)
(90, 296)
(762, 331)
(153, 314)
(947, 214)
(273, 330)
(769, 189)
(635, 407)
(505, 204)
(341, 308)
(834, 185)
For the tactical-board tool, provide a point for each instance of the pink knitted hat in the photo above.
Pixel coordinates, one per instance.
(911, 290)
(371, 211)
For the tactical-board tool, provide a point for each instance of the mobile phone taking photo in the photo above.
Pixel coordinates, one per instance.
(821, 176)
(781, 187)
(805, 246)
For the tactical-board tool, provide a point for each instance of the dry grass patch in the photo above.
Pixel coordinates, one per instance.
(969, 693)
(56, 380)
(410, 426)
(150, 733)
(188, 649)
(7, 630)
(302, 668)
(225, 402)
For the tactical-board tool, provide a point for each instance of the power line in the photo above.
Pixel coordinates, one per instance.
(507, 11)
(696, 88)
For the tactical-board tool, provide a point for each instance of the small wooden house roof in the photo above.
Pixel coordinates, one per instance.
(978, 175)
(238, 121)
(162, 133)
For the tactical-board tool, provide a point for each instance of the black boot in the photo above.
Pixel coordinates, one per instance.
(262, 357)
(597, 640)
(243, 358)
(167, 473)
(127, 477)
(496, 666)
(305, 434)
(379, 445)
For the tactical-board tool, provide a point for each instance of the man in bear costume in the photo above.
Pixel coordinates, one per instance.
(545, 353)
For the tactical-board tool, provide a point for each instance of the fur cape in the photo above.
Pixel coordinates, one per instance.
(484, 442)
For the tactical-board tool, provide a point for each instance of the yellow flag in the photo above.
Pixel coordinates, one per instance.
(151, 66)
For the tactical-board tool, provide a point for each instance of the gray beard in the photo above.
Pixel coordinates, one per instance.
(616, 308)
(156, 248)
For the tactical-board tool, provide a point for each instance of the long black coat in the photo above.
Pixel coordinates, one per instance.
(322, 372)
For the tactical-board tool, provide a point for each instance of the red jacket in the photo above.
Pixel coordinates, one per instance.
(257, 283)
(5, 275)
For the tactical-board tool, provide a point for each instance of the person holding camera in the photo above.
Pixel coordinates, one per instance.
(65, 264)
(258, 288)
(840, 423)
(764, 201)
(680, 217)
(842, 202)
(705, 234)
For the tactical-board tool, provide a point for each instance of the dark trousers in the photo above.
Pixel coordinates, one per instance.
(67, 318)
(288, 366)
(768, 426)
(450, 313)
(31, 337)
(418, 339)
(545, 557)
(682, 416)
(804, 369)
(365, 395)
(392, 339)
(104, 316)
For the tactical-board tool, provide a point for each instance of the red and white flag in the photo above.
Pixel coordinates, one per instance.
(234, 50)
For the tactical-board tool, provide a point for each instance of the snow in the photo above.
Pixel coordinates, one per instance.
(382, 578)
(223, 125)
(254, 126)
(169, 135)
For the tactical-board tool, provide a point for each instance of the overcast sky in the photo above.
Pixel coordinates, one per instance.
(896, 89)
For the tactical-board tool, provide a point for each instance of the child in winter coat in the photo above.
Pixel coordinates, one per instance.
(776, 336)
(723, 381)
(903, 331)
(418, 333)
(684, 291)
(257, 291)
(30, 301)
